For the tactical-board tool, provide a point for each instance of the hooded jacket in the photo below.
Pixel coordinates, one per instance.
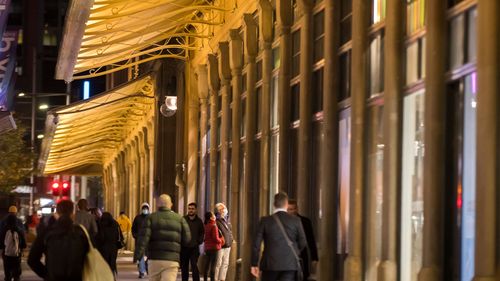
(139, 221)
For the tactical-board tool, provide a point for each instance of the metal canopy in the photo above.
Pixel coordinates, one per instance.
(79, 136)
(103, 36)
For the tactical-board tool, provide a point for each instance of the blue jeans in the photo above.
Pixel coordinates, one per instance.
(143, 265)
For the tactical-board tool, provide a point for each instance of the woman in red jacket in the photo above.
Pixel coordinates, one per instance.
(213, 243)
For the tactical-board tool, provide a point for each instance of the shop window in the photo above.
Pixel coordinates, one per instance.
(276, 58)
(319, 36)
(274, 101)
(377, 64)
(344, 171)
(345, 21)
(274, 163)
(462, 32)
(378, 10)
(415, 61)
(412, 190)
(472, 36)
(258, 109)
(295, 53)
(345, 76)
(415, 15)
(243, 117)
(295, 99)
(317, 90)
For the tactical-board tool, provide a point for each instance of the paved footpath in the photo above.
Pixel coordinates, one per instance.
(127, 271)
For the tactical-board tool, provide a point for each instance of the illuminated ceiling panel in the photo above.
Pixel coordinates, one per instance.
(80, 135)
(103, 36)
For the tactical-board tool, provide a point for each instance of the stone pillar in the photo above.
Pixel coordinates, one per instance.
(193, 127)
(203, 98)
(284, 14)
(248, 220)
(304, 153)
(225, 78)
(328, 181)
(393, 96)
(487, 259)
(236, 64)
(434, 139)
(214, 86)
(354, 263)
(266, 37)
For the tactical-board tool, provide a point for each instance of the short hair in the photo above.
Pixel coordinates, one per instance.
(193, 204)
(220, 204)
(122, 212)
(82, 204)
(292, 202)
(165, 201)
(280, 199)
(65, 207)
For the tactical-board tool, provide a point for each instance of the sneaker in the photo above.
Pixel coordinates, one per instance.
(141, 275)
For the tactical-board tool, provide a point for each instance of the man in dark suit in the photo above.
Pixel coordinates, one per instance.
(310, 254)
(278, 260)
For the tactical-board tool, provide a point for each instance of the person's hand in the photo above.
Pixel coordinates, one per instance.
(255, 271)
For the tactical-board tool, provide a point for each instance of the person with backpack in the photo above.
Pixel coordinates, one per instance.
(12, 242)
(64, 245)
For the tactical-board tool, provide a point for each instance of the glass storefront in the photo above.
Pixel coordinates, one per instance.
(344, 180)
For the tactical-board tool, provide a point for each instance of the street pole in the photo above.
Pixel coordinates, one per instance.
(33, 124)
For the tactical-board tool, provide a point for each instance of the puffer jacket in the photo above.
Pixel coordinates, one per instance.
(164, 233)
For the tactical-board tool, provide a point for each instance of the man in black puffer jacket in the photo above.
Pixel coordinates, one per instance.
(164, 232)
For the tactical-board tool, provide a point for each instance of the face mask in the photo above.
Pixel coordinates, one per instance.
(224, 213)
(145, 211)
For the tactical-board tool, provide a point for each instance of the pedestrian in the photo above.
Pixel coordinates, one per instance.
(137, 227)
(225, 227)
(12, 211)
(213, 244)
(64, 246)
(12, 242)
(191, 252)
(125, 226)
(284, 238)
(164, 233)
(309, 255)
(108, 238)
(84, 218)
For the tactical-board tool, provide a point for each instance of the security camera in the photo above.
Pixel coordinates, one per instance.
(169, 108)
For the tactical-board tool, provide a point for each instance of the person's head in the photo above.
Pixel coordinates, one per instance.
(221, 209)
(122, 213)
(11, 220)
(281, 200)
(192, 209)
(145, 208)
(106, 218)
(96, 212)
(82, 204)
(293, 209)
(65, 208)
(165, 201)
(209, 216)
(13, 209)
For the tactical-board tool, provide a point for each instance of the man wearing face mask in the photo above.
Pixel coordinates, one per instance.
(137, 229)
(225, 228)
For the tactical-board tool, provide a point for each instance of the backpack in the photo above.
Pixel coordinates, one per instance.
(11, 243)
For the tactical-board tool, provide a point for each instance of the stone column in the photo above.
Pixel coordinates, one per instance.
(266, 37)
(360, 18)
(193, 127)
(225, 78)
(236, 64)
(434, 139)
(487, 259)
(304, 153)
(248, 220)
(393, 95)
(214, 86)
(203, 96)
(328, 181)
(284, 14)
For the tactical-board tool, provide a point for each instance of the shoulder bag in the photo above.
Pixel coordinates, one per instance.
(300, 274)
(95, 267)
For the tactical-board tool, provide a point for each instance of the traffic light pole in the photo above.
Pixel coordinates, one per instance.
(33, 124)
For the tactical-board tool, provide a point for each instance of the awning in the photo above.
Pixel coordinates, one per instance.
(78, 137)
(103, 36)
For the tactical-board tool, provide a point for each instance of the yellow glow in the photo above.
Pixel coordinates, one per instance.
(43, 107)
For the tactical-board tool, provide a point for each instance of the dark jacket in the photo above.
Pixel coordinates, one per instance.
(19, 223)
(164, 233)
(86, 219)
(64, 246)
(277, 255)
(212, 239)
(137, 225)
(107, 237)
(311, 252)
(11, 223)
(197, 231)
(225, 228)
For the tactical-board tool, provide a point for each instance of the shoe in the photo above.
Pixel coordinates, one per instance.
(141, 275)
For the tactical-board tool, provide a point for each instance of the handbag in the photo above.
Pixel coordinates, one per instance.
(300, 273)
(221, 236)
(95, 268)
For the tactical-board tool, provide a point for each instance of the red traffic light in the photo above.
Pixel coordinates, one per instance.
(65, 189)
(55, 188)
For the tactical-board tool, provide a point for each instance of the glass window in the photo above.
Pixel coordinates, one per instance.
(319, 35)
(295, 99)
(412, 63)
(457, 27)
(274, 102)
(345, 21)
(375, 169)
(378, 10)
(415, 15)
(412, 194)
(317, 90)
(273, 181)
(377, 65)
(472, 36)
(258, 116)
(243, 117)
(345, 76)
(276, 57)
(295, 53)
(344, 171)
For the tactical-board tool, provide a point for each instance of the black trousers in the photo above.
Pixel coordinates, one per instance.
(12, 268)
(190, 256)
(211, 263)
(279, 275)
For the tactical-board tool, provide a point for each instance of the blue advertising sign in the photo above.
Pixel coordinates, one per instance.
(7, 64)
